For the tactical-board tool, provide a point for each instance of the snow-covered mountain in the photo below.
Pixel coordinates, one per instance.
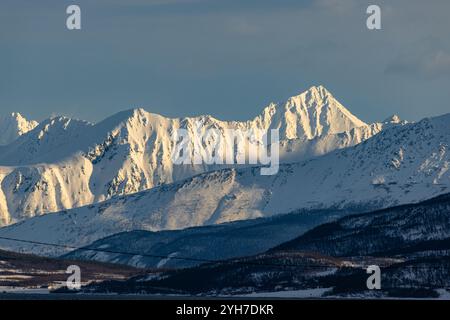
(65, 163)
(13, 126)
(402, 164)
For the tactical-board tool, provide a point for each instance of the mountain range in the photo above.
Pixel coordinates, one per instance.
(66, 163)
(402, 164)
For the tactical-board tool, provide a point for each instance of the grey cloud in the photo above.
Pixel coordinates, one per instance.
(222, 57)
(430, 63)
(336, 6)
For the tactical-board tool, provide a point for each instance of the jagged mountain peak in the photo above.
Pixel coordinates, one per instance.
(57, 125)
(310, 114)
(393, 119)
(317, 93)
(13, 126)
(314, 97)
(120, 119)
(16, 115)
(49, 142)
(318, 97)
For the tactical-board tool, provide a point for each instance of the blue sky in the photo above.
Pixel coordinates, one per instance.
(228, 58)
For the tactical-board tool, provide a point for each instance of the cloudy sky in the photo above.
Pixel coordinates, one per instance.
(228, 58)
